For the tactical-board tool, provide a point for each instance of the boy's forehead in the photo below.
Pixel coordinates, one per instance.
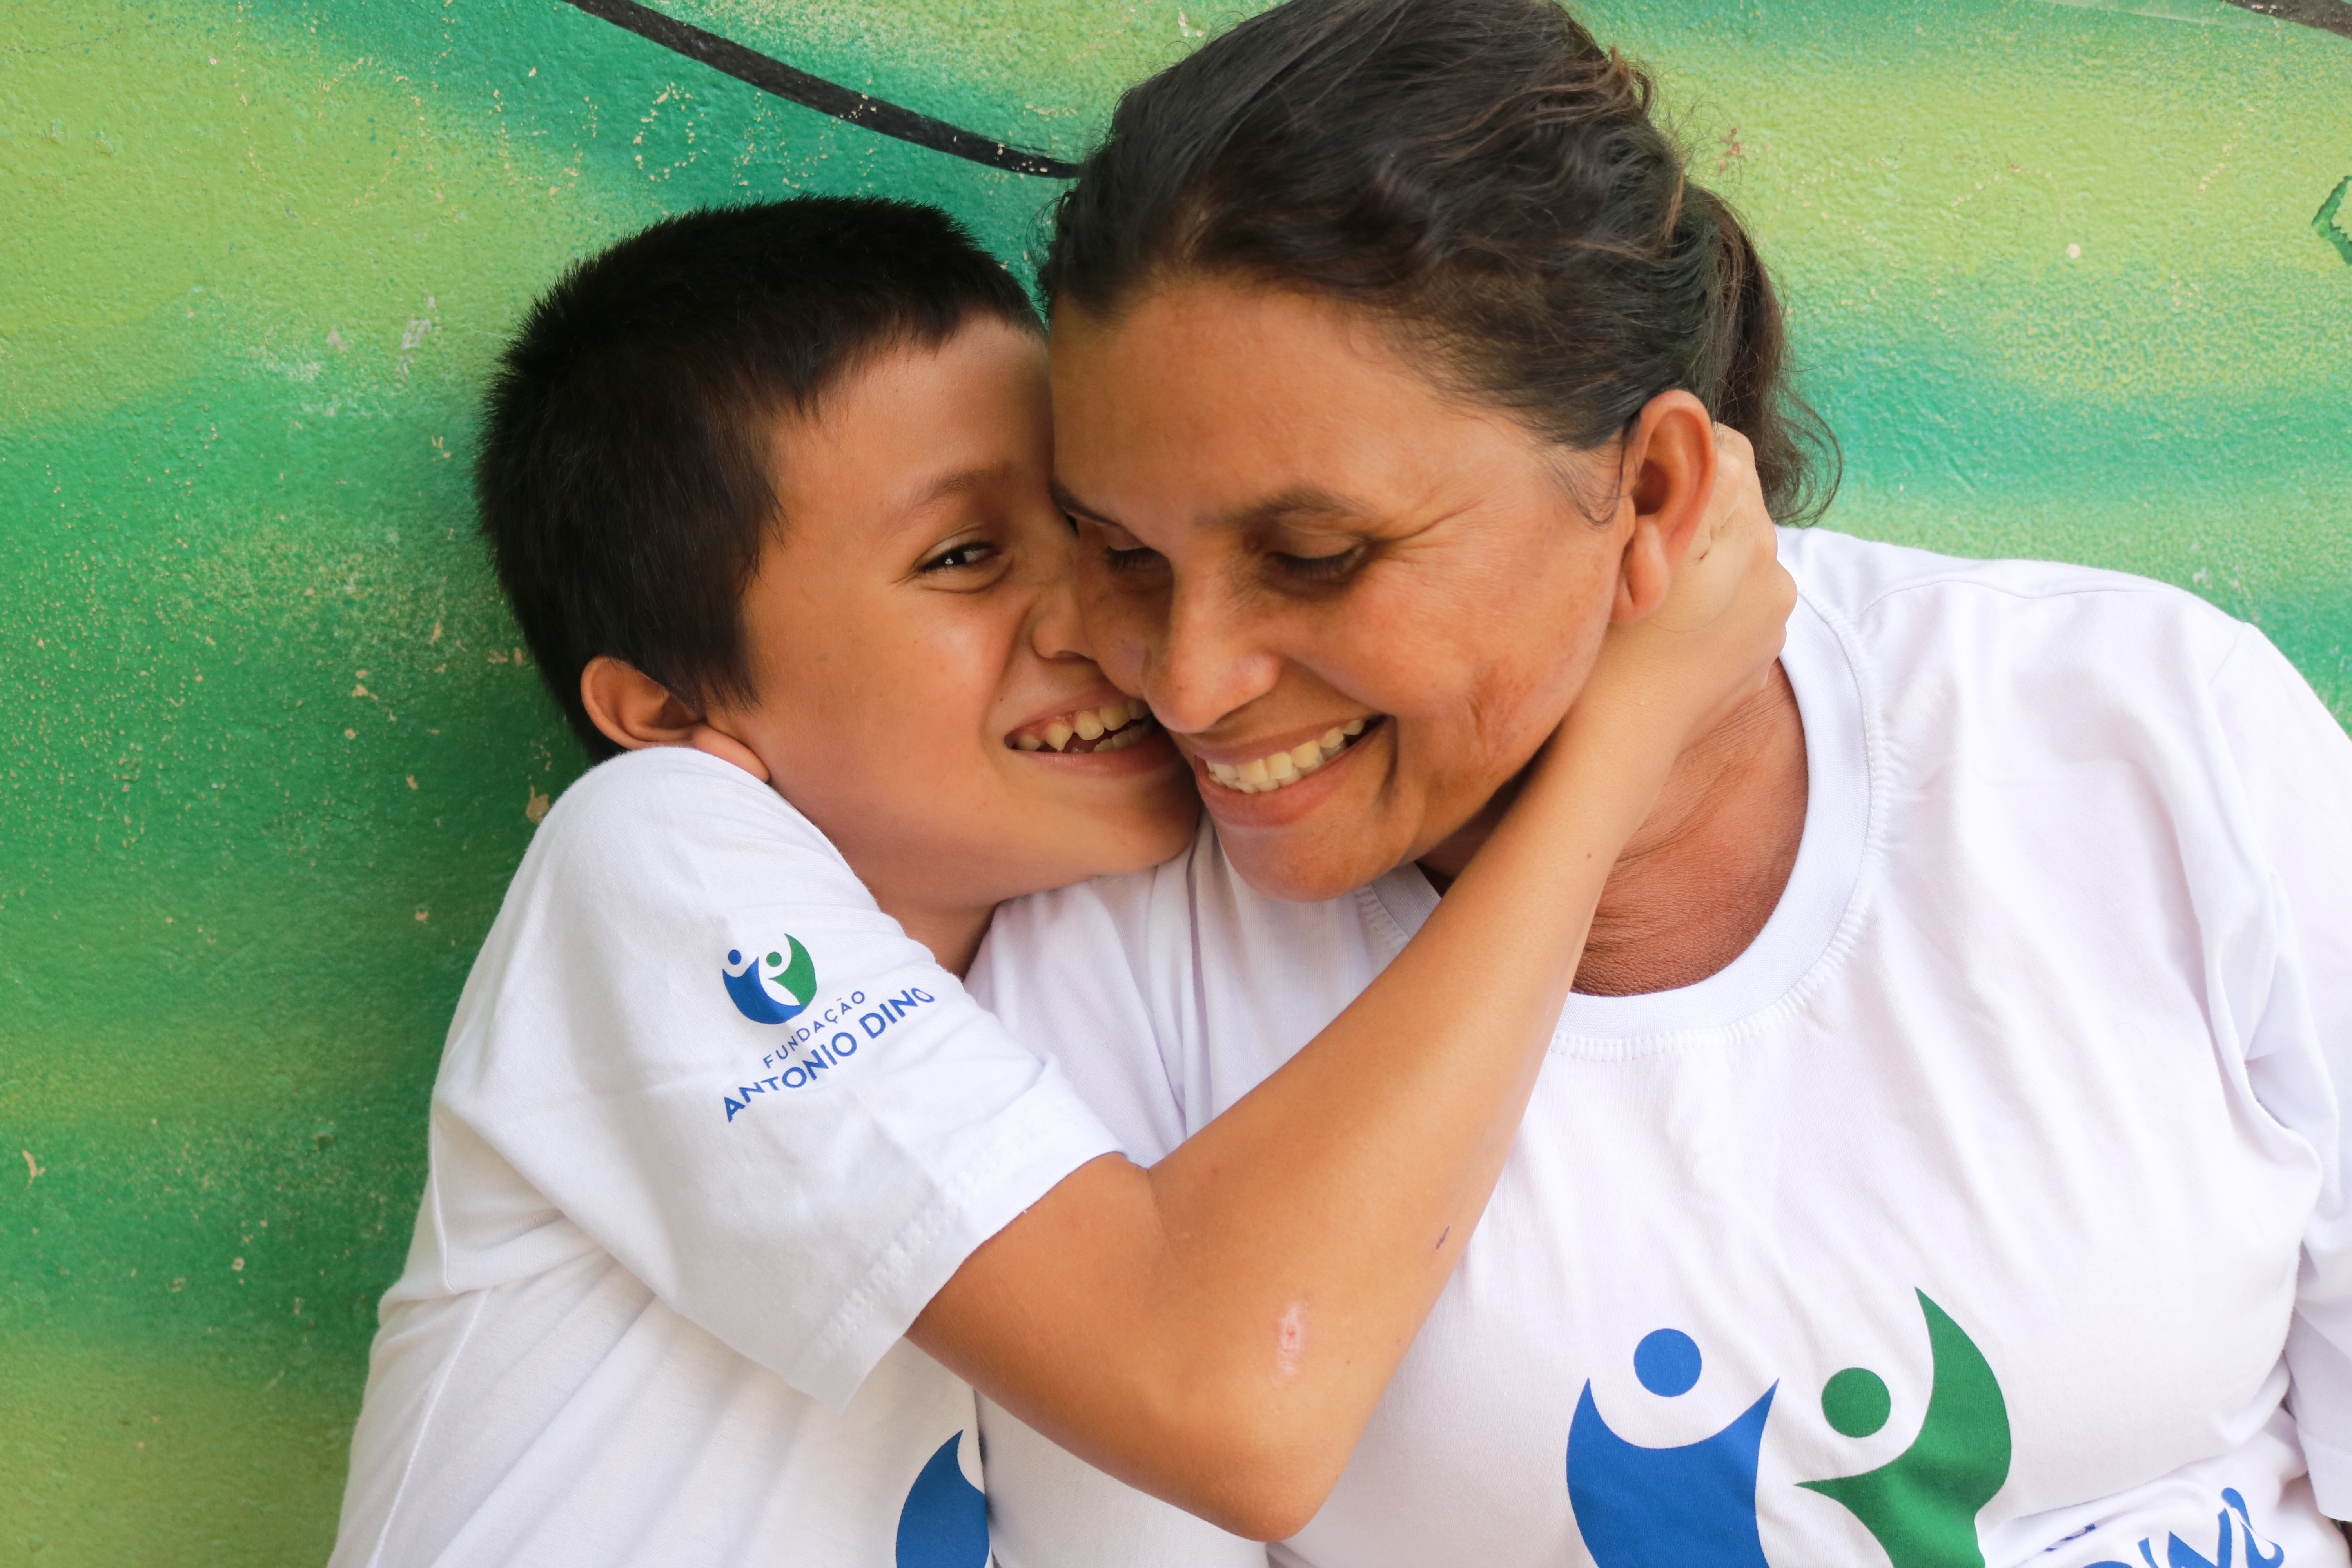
(914, 436)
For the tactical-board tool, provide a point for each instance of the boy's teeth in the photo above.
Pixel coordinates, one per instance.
(1112, 727)
(1279, 770)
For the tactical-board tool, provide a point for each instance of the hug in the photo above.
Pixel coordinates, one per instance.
(1447, 992)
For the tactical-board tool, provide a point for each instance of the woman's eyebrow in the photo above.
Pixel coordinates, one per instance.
(1070, 503)
(1297, 502)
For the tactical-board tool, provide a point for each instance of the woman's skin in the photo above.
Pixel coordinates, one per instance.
(1288, 524)
(1215, 1329)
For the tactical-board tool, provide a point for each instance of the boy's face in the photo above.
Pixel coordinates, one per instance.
(912, 636)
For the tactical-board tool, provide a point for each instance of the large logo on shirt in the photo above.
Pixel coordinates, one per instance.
(1695, 1506)
(944, 1523)
(781, 993)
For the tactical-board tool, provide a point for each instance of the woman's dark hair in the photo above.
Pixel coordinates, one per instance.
(627, 476)
(1482, 175)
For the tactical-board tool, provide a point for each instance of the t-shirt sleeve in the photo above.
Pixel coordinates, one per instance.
(2295, 770)
(696, 1036)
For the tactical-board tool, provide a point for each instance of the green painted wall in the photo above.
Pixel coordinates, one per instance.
(271, 753)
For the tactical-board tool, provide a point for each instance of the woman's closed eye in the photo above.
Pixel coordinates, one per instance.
(1122, 552)
(1329, 567)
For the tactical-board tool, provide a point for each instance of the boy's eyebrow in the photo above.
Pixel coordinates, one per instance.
(961, 482)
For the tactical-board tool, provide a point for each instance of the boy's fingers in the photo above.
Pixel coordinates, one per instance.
(1737, 505)
(1735, 481)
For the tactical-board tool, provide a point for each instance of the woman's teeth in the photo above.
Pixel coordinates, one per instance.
(1113, 727)
(1279, 770)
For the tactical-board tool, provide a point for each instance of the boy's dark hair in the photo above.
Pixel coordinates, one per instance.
(1480, 173)
(625, 476)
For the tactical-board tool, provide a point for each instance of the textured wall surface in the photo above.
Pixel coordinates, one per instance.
(271, 752)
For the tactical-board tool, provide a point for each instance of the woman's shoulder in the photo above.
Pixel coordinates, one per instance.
(1917, 610)
(1862, 574)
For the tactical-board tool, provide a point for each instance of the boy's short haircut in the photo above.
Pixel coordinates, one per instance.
(626, 470)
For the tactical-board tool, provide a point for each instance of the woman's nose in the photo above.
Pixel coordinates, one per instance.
(1207, 660)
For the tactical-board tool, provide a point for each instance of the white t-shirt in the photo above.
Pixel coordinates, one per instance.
(709, 1132)
(1986, 1209)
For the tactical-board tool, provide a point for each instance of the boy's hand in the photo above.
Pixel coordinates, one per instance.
(1680, 671)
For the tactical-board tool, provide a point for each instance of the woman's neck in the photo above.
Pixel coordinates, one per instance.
(1706, 867)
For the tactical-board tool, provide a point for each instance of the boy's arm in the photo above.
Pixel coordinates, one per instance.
(1216, 1328)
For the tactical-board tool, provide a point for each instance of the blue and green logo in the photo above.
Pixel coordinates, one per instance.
(1695, 1505)
(774, 990)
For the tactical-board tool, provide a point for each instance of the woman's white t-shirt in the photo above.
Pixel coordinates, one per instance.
(709, 1132)
(1991, 1208)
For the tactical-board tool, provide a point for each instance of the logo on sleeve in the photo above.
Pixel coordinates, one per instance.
(780, 987)
(774, 990)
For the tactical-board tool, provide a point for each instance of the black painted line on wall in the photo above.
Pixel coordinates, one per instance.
(826, 97)
(2328, 16)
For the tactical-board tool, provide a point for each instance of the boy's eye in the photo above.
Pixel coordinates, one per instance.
(958, 557)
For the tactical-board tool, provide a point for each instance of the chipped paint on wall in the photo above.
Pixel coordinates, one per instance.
(2330, 223)
(274, 747)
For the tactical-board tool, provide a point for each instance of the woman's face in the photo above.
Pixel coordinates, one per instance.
(1286, 531)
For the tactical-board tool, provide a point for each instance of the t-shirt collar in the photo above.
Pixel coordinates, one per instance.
(1803, 937)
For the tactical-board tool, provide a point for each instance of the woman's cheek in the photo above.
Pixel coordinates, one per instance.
(1118, 629)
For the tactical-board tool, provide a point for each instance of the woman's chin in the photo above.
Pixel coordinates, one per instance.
(1318, 837)
(1303, 868)
(1303, 851)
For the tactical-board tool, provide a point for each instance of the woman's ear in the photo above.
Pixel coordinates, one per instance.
(1670, 468)
(634, 710)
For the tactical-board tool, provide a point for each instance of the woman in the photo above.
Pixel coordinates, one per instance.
(1941, 1162)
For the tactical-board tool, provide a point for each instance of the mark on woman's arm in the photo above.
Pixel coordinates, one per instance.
(1290, 1341)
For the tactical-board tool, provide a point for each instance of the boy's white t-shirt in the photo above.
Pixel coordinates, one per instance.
(1991, 1208)
(709, 1132)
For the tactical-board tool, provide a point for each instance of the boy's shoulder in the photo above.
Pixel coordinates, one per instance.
(649, 827)
(670, 901)
(667, 798)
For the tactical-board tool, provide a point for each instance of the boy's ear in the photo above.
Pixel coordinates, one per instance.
(1670, 461)
(634, 710)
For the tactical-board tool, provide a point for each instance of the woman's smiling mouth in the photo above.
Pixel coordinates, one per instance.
(1282, 768)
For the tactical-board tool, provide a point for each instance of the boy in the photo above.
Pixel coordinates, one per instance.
(721, 1156)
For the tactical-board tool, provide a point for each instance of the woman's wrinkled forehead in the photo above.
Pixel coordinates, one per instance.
(1224, 406)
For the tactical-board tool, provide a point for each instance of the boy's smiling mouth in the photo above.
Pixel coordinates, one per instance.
(1110, 727)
